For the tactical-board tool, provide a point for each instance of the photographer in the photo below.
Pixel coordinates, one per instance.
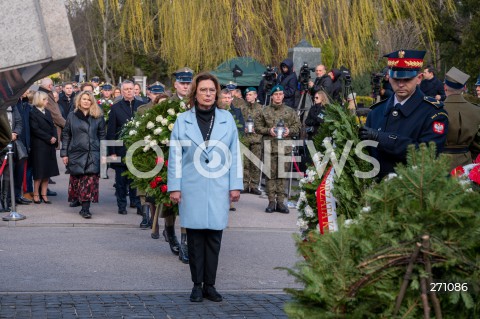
(288, 80)
(335, 75)
(322, 82)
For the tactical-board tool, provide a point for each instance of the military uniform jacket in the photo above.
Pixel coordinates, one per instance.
(270, 117)
(419, 120)
(463, 127)
(255, 111)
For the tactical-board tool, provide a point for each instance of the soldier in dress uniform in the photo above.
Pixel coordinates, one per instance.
(182, 84)
(277, 112)
(253, 140)
(407, 117)
(96, 85)
(106, 91)
(155, 93)
(463, 121)
(238, 102)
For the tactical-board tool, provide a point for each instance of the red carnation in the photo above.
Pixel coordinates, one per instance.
(474, 174)
(159, 160)
(158, 179)
(164, 188)
(457, 171)
(98, 102)
(477, 160)
(153, 184)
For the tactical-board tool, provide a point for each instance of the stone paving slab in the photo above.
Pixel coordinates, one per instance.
(140, 305)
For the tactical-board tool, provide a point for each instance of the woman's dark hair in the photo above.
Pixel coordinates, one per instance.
(203, 76)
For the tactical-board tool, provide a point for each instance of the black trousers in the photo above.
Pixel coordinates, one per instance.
(122, 186)
(203, 250)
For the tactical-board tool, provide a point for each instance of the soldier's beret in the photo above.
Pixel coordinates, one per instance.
(184, 75)
(405, 64)
(276, 88)
(456, 79)
(250, 89)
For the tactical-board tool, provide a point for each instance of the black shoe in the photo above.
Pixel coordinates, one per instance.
(133, 205)
(172, 239)
(281, 208)
(21, 201)
(51, 193)
(211, 293)
(271, 207)
(26, 200)
(155, 235)
(146, 216)
(233, 209)
(75, 203)
(122, 212)
(244, 191)
(51, 181)
(85, 214)
(139, 211)
(255, 191)
(197, 293)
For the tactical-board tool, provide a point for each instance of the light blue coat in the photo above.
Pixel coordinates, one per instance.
(204, 175)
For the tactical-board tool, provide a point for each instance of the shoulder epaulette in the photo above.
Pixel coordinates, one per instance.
(377, 104)
(434, 102)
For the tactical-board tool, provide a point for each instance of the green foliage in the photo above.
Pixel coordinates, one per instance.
(357, 272)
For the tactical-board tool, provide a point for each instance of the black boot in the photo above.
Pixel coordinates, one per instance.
(85, 212)
(172, 239)
(146, 216)
(271, 207)
(281, 208)
(183, 255)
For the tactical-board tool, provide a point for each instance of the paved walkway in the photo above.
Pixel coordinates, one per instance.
(58, 265)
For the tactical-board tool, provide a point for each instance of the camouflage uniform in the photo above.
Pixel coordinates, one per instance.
(239, 104)
(251, 173)
(270, 117)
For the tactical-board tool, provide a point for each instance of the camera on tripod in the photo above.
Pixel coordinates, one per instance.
(269, 76)
(376, 83)
(304, 76)
(347, 76)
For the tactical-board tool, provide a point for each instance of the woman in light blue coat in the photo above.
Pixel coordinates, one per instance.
(204, 176)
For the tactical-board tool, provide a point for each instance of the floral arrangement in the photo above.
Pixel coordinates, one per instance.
(147, 138)
(105, 105)
(469, 175)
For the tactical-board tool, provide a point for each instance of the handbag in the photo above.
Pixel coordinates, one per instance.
(19, 151)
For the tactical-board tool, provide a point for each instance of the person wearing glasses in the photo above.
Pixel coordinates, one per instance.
(407, 117)
(204, 176)
(316, 114)
(120, 113)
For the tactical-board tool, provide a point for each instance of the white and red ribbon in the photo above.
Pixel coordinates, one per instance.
(326, 203)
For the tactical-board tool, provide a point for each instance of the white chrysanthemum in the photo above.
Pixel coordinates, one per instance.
(146, 148)
(150, 125)
(302, 197)
(132, 132)
(183, 105)
(469, 190)
(302, 224)
(309, 211)
(165, 141)
(153, 143)
(349, 222)
(171, 111)
(157, 131)
(391, 176)
(325, 140)
(159, 119)
(137, 123)
(147, 138)
(164, 122)
(170, 126)
(317, 157)
(366, 209)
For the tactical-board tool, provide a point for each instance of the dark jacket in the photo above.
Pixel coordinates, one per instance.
(387, 90)
(81, 143)
(289, 82)
(43, 156)
(323, 83)
(238, 117)
(433, 87)
(315, 118)
(417, 121)
(336, 86)
(66, 104)
(24, 108)
(120, 113)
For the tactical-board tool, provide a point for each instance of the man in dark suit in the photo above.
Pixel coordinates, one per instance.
(121, 112)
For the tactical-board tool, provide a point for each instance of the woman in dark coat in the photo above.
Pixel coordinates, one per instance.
(316, 114)
(43, 141)
(84, 129)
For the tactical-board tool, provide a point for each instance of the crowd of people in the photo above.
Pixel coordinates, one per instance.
(416, 108)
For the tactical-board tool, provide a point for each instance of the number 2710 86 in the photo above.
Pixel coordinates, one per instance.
(440, 287)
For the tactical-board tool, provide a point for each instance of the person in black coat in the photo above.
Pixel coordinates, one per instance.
(431, 85)
(43, 141)
(335, 75)
(322, 82)
(288, 79)
(84, 129)
(316, 114)
(120, 113)
(66, 100)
